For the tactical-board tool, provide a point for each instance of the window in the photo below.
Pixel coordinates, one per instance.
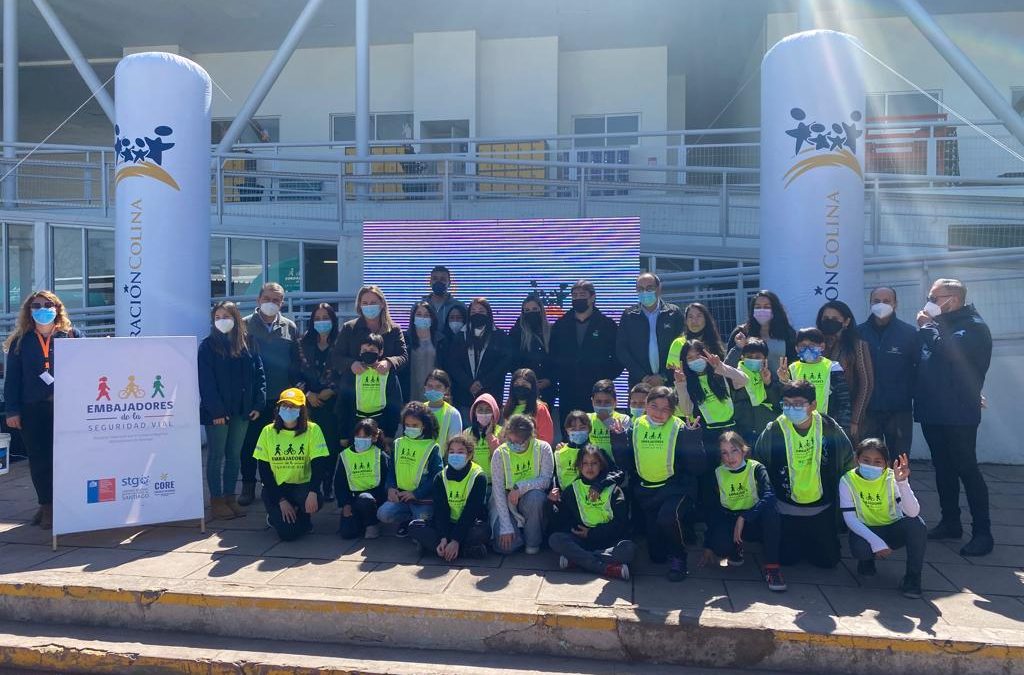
(383, 127)
(67, 264)
(246, 266)
(20, 264)
(606, 124)
(283, 264)
(218, 268)
(100, 282)
(259, 130)
(320, 267)
(903, 104)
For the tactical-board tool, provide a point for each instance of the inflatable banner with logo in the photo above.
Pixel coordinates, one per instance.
(812, 172)
(162, 184)
(126, 445)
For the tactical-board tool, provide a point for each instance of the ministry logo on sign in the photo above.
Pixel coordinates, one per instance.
(98, 490)
(143, 156)
(820, 146)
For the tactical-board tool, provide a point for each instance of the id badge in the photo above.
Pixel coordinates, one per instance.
(46, 377)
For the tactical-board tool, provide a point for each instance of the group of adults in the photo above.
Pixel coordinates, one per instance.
(774, 433)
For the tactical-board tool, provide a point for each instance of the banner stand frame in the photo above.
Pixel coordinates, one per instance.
(202, 530)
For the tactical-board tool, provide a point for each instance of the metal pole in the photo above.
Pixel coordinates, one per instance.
(362, 29)
(269, 76)
(10, 90)
(77, 58)
(965, 68)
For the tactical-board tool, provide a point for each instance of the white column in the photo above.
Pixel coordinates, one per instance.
(10, 92)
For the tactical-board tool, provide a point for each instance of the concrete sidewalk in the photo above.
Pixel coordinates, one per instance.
(237, 577)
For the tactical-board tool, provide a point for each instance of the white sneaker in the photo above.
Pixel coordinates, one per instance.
(532, 550)
(563, 562)
(372, 532)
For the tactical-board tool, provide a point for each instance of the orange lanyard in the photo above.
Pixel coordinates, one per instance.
(44, 344)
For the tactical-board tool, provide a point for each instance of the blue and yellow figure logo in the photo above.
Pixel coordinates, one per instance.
(819, 146)
(143, 157)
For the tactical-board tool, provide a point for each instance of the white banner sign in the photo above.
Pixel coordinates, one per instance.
(812, 173)
(126, 433)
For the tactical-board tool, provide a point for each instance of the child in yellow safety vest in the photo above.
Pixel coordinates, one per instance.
(578, 431)
(415, 460)
(604, 401)
(521, 471)
(437, 389)
(594, 528)
(459, 528)
(746, 511)
(882, 513)
(638, 399)
(485, 431)
(758, 402)
(370, 394)
(831, 390)
(359, 483)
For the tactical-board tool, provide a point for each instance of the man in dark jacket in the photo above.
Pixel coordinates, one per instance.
(583, 345)
(894, 354)
(440, 296)
(646, 331)
(956, 349)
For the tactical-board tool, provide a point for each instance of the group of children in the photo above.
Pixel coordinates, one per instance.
(680, 457)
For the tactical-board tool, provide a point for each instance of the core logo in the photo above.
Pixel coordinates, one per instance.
(98, 490)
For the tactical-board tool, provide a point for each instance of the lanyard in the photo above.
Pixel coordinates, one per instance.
(44, 344)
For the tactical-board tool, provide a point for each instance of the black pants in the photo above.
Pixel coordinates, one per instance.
(427, 536)
(707, 485)
(326, 417)
(663, 512)
(37, 434)
(766, 528)
(364, 513)
(252, 435)
(296, 496)
(896, 428)
(956, 461)
(813, 539)
(909, 532)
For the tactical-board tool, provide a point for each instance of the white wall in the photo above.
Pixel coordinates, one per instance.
(518, 86)
(445, 77)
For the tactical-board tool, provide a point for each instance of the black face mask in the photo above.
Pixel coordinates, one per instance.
(831, 326)
(369, 358)
(439, 287)
(478, 320)
(521, 391)
(532, 320)
(580, 305)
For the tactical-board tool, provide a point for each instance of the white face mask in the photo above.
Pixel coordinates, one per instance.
(269, 309)
(881, 310)
(224, 325)
(931, 309)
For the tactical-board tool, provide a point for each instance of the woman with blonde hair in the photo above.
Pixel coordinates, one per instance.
(28, 388)
(372, 316)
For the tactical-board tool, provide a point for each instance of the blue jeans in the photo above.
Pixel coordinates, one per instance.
(403, 512)
(224, 449)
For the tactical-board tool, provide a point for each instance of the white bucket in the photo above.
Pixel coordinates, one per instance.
(5, 453)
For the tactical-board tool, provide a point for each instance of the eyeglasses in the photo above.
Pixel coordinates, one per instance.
(40, 305)
(938, 298)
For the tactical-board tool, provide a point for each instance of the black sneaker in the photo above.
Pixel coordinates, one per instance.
(946, 531)
(478, 552)
(866, 568)
(735, 559)
(403, 530)
(676, 569)
(911, 586)
(689, 534)
(980, 544)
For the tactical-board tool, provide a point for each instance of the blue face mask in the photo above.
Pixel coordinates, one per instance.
(795, 414)
(413, 432)
(288, 414)
(753, 365)
(578, 437)
(870, 472)
(647, 298)
(809, 354)
(515, 447)
(604, 409)
(323, 327)
(361, 444)
(44, 316)
(422, 322)
(456, 326)
(697, 365)
(433, 395)
(371, 311)
(636, 412)
(458, 461)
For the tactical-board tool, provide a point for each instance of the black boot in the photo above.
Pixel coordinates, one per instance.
(981, 543)
(946, 530)
(248, 495)
(866, 568)
(911, 586)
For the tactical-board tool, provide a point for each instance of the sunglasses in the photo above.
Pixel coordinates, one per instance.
(40, 305)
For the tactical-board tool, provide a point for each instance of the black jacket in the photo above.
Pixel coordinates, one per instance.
(601, 536)
(229, 386)
(633, 337)
(475, 509)
(344, 494)
(346, 348)
(580, 365)
(491, 371)
(317, 368)
(894, 354)
(836, 460)
(279, 349)
(534, 357)
(690, 461)
(24, 365)
(956, 350)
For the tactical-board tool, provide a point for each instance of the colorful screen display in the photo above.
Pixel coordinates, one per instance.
(504, 261)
